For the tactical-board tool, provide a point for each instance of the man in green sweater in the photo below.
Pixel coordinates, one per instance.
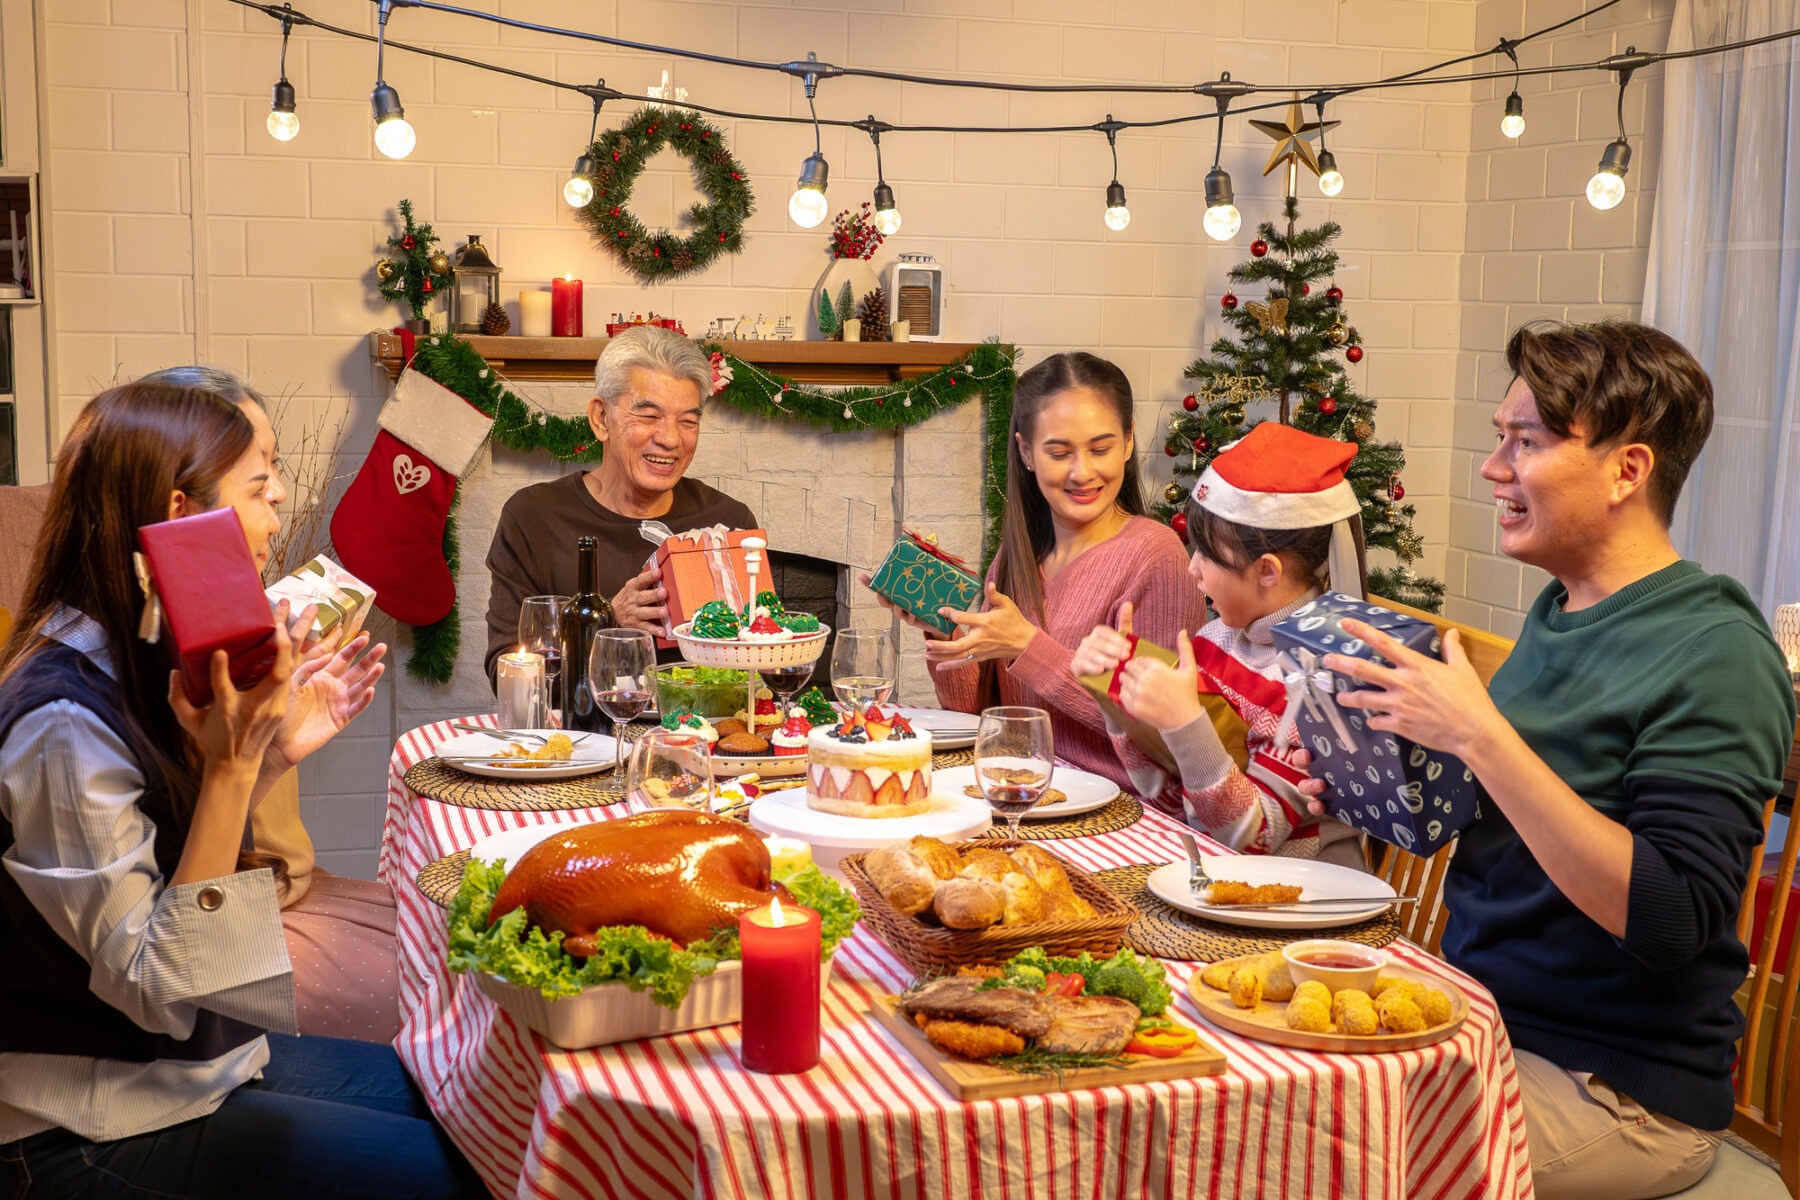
(1625, 750)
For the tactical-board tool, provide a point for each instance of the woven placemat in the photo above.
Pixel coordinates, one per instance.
(1167, 932)
(1121, 812)
(439, 881)
(943, 760)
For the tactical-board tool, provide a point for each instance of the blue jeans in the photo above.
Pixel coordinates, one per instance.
(329, 1118)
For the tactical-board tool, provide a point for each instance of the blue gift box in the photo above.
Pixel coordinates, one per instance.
(1386, 786)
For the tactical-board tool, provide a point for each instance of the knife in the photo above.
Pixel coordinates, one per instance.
(1305, 903)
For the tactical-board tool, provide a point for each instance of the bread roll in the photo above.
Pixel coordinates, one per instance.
(940, 857)
(969, 903)
(902, 878)
(986, 863)
(1044, 867)
(1024, 900)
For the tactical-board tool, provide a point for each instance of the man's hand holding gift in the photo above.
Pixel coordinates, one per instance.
(643, 603)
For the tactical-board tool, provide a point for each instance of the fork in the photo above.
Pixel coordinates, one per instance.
(1198, 879)
(575, 738)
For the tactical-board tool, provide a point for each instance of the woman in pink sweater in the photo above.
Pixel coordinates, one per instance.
(1075, 547)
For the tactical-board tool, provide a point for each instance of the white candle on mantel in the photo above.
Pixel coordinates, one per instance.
(519, 682)
(534, 314)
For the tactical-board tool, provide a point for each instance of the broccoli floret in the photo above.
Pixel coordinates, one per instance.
(1029, 978)
(1122, 982)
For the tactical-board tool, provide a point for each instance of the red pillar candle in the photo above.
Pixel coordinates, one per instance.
(565, 307)
(781, 988)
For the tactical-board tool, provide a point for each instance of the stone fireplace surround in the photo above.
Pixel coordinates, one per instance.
(839, 497)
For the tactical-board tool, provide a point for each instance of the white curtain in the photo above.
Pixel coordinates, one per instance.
(1724, 279)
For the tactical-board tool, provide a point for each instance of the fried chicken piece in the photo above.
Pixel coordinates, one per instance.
(961, 998)
(971, 1040)
(1279, 985)
(1232, 891)
(1312, 989)
(1398, 1013)
(1435, 1005)
(1247, 985)
(1309, 1015)
(1354, 1013)
(558, 747)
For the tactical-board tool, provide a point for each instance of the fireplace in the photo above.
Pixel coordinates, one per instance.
(813, 585)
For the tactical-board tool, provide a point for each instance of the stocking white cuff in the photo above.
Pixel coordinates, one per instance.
(435, 421)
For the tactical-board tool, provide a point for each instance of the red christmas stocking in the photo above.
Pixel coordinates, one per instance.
(389, 528)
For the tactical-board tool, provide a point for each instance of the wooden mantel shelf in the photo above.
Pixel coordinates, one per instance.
(572, 359)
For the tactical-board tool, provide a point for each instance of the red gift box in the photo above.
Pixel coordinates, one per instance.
(704, 566)
(212, 599)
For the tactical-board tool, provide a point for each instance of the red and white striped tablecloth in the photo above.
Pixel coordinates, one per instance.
(677, 1116)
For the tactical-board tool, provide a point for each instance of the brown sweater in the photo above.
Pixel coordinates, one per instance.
(533, 553)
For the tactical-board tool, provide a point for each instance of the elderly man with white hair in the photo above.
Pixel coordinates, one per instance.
(649, 386)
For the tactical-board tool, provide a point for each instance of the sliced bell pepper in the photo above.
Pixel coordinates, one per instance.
(1161, 1042)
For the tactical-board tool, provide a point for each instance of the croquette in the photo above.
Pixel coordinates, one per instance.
(1398, 1013)
(1312, 989)
(1354, 1013)
(1309, 1015)
(1435, 1005)
(1247, 985)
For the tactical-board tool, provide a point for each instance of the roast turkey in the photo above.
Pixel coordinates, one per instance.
(680, 874)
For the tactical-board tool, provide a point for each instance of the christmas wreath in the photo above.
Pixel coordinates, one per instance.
(718, 226)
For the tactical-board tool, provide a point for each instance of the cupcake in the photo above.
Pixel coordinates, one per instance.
(790, 739)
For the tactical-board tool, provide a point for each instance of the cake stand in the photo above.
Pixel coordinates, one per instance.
(952, 818)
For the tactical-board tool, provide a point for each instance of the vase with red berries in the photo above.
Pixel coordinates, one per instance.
(849, 249)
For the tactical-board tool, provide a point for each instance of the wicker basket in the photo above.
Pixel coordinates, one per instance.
(931, 949)
(751, 656)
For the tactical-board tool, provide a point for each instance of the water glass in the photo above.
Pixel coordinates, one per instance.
(619, 669)
(1015, 755)
(863, 667)
(669, 768)
(539, 617)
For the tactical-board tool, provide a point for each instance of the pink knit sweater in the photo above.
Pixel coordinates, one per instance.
(1144, 563)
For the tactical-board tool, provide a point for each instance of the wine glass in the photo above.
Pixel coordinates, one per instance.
(670, 768)
(1014, 759)
(618, 673)
(539, 617)
(862, 667)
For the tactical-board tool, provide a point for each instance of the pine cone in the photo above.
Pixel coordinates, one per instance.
(873, 313)
(681, 260)
(720, 157)
(494, 321)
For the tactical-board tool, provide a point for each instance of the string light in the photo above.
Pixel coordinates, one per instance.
(807, 206)
(578, 192)
(1222, 220)
(1331, 180)
(887, 215)
(284, 122)
(1117, 215)
(1607, 187)
(394, 135)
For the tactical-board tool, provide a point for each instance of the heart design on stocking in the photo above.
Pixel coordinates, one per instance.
(408, 475)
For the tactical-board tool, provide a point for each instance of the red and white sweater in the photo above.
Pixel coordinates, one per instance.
(1255, 808)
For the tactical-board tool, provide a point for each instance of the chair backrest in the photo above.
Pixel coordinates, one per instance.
(1423, 923)
(1767, 1084)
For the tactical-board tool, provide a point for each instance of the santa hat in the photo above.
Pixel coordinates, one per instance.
(1277, 477)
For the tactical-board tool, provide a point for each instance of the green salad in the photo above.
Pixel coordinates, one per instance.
(713, 692)
(628, 954)
(1125, 975)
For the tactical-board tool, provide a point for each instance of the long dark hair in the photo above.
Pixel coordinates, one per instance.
(130, 448)
(1027, 534)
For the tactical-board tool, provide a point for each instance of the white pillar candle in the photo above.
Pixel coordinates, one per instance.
(853, 330)
(534, 314)
(901, 331)
(519, 680)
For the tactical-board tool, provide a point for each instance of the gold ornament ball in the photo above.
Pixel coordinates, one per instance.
(440, 263)
(1337, 333)
(386, 269)
(1174, 493)
(1234, 416)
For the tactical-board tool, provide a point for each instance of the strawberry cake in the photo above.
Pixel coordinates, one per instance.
(869, 765)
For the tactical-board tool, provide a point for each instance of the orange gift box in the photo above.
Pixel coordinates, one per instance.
(705, 565)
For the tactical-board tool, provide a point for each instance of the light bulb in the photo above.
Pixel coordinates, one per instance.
(1605, 190)
(1513, 123)
(284, 126)
(1222, 222)
(887, 220)
(1118, 217)
(395, 138)
(577, 192)
(807, 206)
(1331, 183)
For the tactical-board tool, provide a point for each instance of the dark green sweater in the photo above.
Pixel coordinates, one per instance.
(1668, 708)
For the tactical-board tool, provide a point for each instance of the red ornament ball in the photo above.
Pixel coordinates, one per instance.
(1190, 402)
(1306, 289)
(1259, 247)
(1202, 444)
(1178, 523)
(1354, 354)
(1328, 406)
(1170, 450)
(1334, 293)
(1399, 491)
(1228, 300)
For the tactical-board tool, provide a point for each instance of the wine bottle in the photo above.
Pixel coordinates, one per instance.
(587, 613)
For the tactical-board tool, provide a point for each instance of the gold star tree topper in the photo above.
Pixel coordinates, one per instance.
(1292, 141)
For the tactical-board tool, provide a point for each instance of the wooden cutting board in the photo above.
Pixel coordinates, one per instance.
(966, 1079)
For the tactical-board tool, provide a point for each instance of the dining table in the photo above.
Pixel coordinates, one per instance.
(680, 1116)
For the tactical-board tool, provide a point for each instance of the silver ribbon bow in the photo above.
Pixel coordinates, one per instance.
(1310, 685)
(150, 621)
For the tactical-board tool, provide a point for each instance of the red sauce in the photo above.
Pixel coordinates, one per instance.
(1325, 958)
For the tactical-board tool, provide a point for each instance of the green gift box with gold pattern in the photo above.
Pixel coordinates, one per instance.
(921, 579)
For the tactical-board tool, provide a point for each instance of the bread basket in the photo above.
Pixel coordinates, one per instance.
(934, 950)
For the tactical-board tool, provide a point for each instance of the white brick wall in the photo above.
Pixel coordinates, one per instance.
(292, 229)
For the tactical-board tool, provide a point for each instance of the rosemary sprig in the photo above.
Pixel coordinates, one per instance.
(1032, 1061)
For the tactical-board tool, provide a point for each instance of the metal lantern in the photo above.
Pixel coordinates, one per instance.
(477, 286)
(915, 288)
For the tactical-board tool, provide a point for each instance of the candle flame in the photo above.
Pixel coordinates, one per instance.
(775, 912)
(567, 278)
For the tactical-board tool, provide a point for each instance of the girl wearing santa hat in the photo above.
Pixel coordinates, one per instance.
(1272, 521)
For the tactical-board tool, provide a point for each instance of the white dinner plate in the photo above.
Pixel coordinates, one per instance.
(951, 817)
(1317, 881)
(1085, 790)
(949, 730)
(509, 844)
(592, 753)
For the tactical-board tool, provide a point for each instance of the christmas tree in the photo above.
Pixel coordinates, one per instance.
(419, 272)
(1282, 352)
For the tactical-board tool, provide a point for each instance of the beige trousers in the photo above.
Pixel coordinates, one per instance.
(1591, 1142)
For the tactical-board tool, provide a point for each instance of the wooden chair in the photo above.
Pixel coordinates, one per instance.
(1409, 874)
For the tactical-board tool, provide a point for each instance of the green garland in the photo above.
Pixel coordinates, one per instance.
(986, 372)
(621, 155)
